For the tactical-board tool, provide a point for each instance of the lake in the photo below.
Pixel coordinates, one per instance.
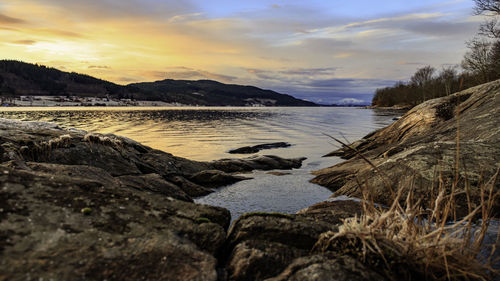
(201, 133)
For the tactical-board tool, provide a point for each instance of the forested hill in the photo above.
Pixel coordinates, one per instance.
(26, 79)
(208, 92)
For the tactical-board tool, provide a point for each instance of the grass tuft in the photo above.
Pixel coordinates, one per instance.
(409, 241)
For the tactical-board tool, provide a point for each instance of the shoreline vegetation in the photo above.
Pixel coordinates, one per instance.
(84, 206)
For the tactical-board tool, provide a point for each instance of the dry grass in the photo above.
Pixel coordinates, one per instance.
(407, 241)
(111, 141)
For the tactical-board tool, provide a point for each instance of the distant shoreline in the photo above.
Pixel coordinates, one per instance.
(76, 101)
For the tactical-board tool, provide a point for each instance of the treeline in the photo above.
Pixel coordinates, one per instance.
(481, 64)
(52, 81)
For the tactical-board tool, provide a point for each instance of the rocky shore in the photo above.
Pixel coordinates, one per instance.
(81, 206)
(419, 150)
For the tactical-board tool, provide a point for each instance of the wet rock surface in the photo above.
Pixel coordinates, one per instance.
(81, 206)
(420, 149)
(259, 147)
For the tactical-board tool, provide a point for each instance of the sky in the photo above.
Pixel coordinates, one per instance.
(326, 51)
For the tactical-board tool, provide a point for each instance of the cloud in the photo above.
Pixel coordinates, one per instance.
(112, 9)
(347, 84)
(24, 42)
(186, 17)
(439, 28)
(99, 67)
(10, 20)
(186, 73)
(292, 75)
(384, 22)
(127, 79)
(318, 84)
(310, 71)
(410, 63)
(57, 32)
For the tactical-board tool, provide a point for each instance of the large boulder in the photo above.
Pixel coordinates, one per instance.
(419, 150)
(62, 227)
(261, 245)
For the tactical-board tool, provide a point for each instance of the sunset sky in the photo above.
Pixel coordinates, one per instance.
(325, 51)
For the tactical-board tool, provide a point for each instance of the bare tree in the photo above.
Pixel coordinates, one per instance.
(422, 78)
(495, 60)
(490, 28)
(490, 8)
(483, 6)
(478, 59)
(447, 76)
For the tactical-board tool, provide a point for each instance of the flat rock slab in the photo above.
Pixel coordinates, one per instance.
(257, 148)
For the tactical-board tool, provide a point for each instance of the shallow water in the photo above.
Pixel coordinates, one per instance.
(208, 133)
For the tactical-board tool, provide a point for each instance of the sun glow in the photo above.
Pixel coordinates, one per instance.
(64, 49)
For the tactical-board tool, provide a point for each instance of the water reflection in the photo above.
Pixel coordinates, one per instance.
(208, 133)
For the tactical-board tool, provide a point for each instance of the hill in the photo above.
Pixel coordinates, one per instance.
(208, 92)
(26, 79)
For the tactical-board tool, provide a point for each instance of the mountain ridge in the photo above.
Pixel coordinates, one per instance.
(26, 79)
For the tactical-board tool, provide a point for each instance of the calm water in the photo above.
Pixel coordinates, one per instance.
(208, 133)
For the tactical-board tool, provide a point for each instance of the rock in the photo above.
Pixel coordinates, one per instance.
(346, 152)
(276, 173)
(261, 245)
(154, 183)
(257, 162)
(257, 148)
(333, 212)
(255, 259)
(191, 188)
(129, 233)
(215, 178)
(421, 147)
(326, 268)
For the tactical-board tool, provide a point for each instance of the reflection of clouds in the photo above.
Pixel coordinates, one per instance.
(208, 133)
